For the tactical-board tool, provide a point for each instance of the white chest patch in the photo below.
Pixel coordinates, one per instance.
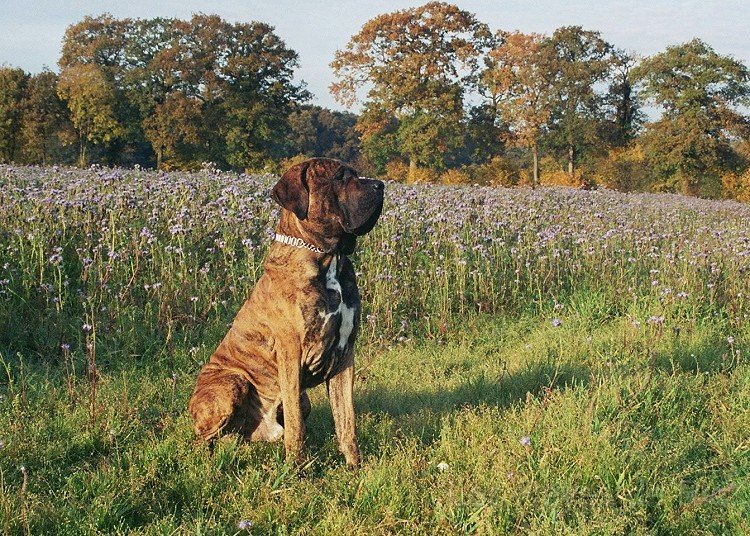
(347, 313)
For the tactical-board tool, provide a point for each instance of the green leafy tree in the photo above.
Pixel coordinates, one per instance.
(379, 134)
(485, 137)
(91, 101)
(623, 113)
(415, 65)
(699, 91)
(103, 41)
(231, 82)
(154, 60)
(429, 135)
(577, 61)
(12, 87)
(256, 73)
(317, 131)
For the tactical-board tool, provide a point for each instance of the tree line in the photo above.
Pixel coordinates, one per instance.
(441, 97)
(167, 93)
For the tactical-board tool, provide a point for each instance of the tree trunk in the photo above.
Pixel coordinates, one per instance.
(535, 150)
(412, 170)
(571, 153)
(690, 185)
(159, 153)
(82, 155)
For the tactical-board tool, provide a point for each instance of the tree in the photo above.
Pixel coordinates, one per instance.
(173, 125)
(316, 131)
(378, 132)
(99, 41)
(12, 87)
(577, 61)
(103, 41)
(91, 101)
(416, 65)
(45, 124)
(154, 60)
(622, 101)
(486, 135)
(516, 81)
(223, 91)
(699, 92)
(256, 73)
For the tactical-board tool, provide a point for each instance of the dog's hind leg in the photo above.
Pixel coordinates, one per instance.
(224, 401)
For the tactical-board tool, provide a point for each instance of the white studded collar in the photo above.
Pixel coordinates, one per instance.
(297, 243)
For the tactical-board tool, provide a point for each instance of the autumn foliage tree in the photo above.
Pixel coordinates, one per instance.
(91, 99)
(12, 86)
(516, 82)
(173, 127)
(45, 127)
(415, 66)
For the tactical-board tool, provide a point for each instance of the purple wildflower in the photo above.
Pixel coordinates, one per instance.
(245, 524)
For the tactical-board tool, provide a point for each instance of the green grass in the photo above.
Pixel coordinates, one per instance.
(633, 430)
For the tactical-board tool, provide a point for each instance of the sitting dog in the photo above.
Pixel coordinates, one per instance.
(297, 328)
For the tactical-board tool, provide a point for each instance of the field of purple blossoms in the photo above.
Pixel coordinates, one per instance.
(141, 255)
(111, 277)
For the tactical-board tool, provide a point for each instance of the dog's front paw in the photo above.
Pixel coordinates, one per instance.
(352, 457)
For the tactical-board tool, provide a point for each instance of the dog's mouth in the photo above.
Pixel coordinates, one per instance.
(360, 228)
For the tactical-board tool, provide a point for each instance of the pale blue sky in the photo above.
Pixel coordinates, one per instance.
(31, 31)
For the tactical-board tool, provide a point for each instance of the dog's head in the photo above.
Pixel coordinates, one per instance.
(329, 201)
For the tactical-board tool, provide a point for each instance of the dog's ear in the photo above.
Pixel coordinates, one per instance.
(291, 191)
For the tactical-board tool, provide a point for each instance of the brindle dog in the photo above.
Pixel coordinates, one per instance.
(297, 328)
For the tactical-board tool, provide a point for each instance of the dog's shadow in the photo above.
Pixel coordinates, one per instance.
(420, 413)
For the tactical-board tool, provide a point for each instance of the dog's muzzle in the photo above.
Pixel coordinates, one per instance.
(361, 218)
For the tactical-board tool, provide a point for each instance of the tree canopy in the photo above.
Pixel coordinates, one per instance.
(517, 82)
(700, 92)
(197, 90)
(12, 86)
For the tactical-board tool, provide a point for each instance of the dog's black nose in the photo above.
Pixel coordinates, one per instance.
(378, 185)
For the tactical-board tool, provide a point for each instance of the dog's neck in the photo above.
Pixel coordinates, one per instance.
(308, 261)
(292, 233)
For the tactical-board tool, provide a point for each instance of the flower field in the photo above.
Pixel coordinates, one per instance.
(531, 361)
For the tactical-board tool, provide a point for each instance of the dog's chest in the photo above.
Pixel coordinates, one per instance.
(332, 323)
